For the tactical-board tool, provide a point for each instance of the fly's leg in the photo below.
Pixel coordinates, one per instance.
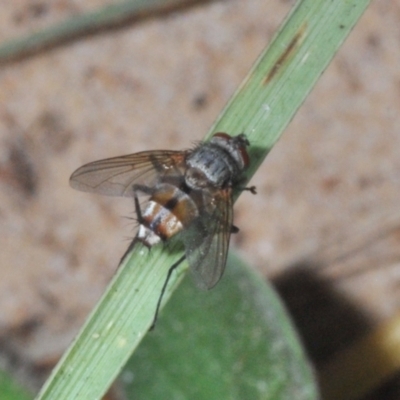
(240, 186)
(251, 189)
(136, 189)
(150, 191)
(234, 229)
(170, 271)
(145, 190)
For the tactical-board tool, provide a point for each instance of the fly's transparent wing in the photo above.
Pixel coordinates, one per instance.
(116, 176)
(207, 241)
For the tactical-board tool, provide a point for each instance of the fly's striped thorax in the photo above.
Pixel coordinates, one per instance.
(168, 211)
(217, 163)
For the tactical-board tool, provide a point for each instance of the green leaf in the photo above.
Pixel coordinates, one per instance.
(10, 390)
(234, 342)
(262, 108)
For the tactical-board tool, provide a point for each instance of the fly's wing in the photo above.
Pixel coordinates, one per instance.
(116, 176)
(207, 241)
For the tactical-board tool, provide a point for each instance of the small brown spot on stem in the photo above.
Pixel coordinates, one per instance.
(286, 54)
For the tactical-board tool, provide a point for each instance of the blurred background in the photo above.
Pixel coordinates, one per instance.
(328, 193)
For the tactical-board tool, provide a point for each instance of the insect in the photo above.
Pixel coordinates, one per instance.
(189, 193)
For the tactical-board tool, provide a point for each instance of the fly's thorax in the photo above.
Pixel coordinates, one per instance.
(168, 211)
(217, 163)
(235, 146)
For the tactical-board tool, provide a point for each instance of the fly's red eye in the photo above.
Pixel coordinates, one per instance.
(223, 135)
(242, 147)
(245, 156)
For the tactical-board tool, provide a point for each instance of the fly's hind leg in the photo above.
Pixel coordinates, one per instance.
(136, 189)
(143, 189)
(170, 271)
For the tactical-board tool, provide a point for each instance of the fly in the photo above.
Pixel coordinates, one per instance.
(188, 191)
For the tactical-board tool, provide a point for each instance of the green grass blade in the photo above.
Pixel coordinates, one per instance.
(286, 72)
(115, 327)
(111, 15)
(262, 108)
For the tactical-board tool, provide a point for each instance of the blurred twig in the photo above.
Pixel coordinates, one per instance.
(113, 16)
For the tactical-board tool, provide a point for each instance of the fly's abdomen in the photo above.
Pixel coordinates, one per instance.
(168, 211)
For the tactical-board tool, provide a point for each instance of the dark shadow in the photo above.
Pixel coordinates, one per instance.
(390, 390)
(326, 321)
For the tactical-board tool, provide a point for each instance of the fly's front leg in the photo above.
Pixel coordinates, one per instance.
(251, 189)
(234, 229)
(241, 186)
